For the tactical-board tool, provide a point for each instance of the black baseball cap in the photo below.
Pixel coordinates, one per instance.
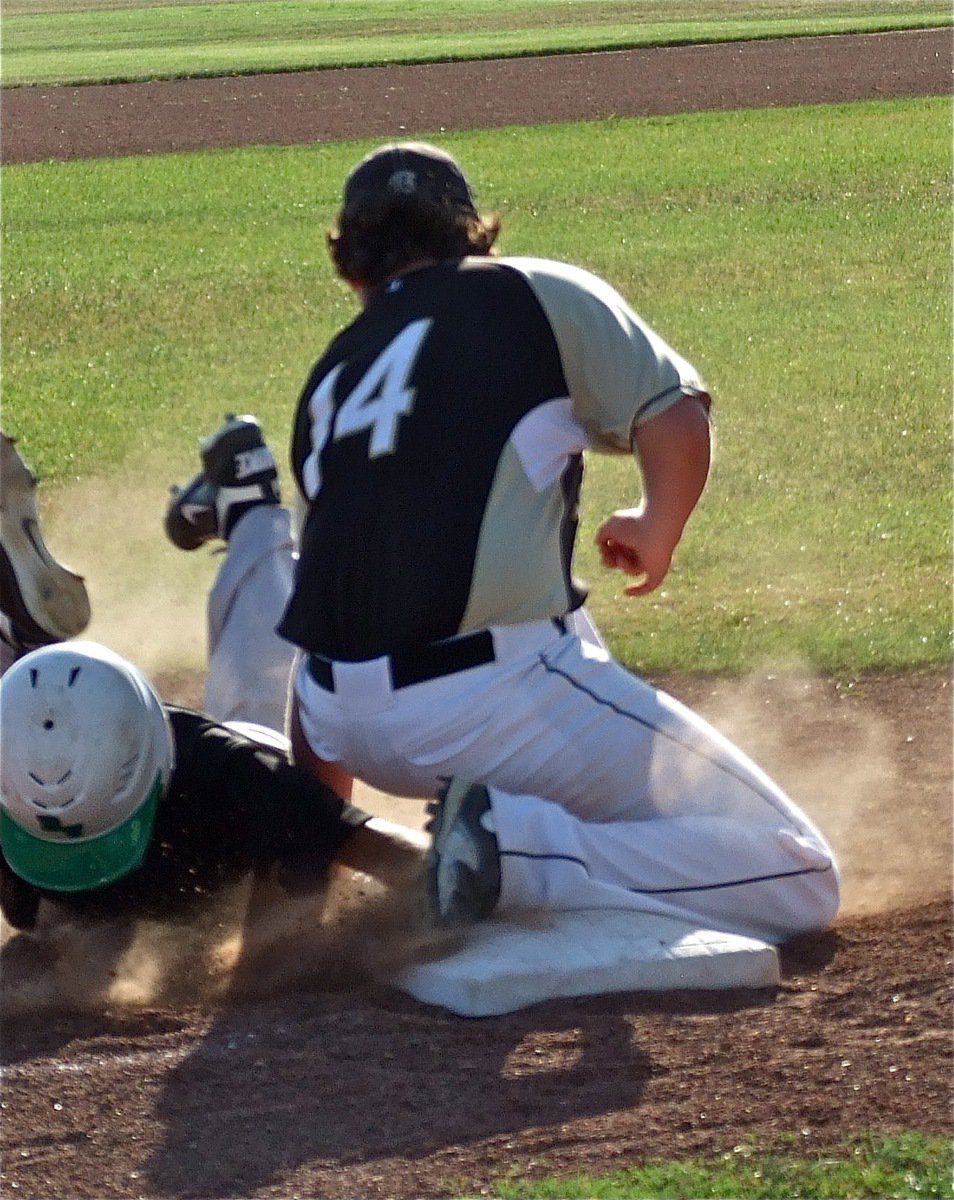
(410, 169)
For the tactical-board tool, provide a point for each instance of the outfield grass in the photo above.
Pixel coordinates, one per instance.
(800, 257)
(879, 1166)
(87, 41)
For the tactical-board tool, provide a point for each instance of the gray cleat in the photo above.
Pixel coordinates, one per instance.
(463, 862)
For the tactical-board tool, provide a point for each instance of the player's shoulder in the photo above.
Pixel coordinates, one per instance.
(190, 726)
(566, 284)
(186, 720)
(196, 735)
(553, 269)
(573, 296)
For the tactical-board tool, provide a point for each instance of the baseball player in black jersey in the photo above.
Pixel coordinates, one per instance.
(114, 805)
(438, 447)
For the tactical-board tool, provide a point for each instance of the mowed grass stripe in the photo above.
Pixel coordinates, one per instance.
(102, 43)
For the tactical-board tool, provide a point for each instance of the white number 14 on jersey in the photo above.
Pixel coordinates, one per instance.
(377, 402)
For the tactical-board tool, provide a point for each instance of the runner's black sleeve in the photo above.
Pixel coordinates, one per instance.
(19, 900)
(232, 806)
(239, 801)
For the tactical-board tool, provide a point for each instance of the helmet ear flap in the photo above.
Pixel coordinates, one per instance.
(86, 752)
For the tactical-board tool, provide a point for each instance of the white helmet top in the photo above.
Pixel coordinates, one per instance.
(86, 753)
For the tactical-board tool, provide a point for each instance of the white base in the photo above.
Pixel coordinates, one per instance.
(509, 964)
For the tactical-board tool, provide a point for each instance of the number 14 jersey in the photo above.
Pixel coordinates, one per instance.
(438, 449)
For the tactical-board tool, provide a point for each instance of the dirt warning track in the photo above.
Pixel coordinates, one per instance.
(318, 106)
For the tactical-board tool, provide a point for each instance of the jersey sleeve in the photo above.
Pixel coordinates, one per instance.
(247, 800)
(619, 371)
(19, 900)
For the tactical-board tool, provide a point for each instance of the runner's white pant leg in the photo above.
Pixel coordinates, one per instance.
(249, 664)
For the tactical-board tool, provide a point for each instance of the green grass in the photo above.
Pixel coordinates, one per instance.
(882, 1167)
(801, 258)
(70, 41)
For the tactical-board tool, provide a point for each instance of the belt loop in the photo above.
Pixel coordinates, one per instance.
(560, 623)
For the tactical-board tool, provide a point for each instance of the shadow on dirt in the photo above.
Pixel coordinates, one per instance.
(809, 954)
(323, 1084)
(304, 1079)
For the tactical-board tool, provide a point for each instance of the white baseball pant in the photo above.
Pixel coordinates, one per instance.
(605, 792)
(249, 665)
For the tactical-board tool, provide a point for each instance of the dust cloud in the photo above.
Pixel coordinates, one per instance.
(876, 782)
(873, 773)
(251, 941)
(148, 598)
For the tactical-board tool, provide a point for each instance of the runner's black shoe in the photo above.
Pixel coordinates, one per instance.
(238, 473)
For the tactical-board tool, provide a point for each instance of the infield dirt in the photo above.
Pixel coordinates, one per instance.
(292, 1085)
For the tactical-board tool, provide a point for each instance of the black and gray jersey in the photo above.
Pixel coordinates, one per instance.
(438, 449)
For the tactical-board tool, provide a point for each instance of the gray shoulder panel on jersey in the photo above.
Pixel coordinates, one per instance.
(620, 372)
(518, 573)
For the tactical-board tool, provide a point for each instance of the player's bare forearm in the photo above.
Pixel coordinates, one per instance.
(674, 452)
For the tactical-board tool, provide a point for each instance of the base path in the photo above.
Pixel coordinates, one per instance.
(302, 108)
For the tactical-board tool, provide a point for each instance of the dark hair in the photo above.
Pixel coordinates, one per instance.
(378, 236)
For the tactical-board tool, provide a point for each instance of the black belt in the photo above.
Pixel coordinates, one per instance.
(427, 662)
